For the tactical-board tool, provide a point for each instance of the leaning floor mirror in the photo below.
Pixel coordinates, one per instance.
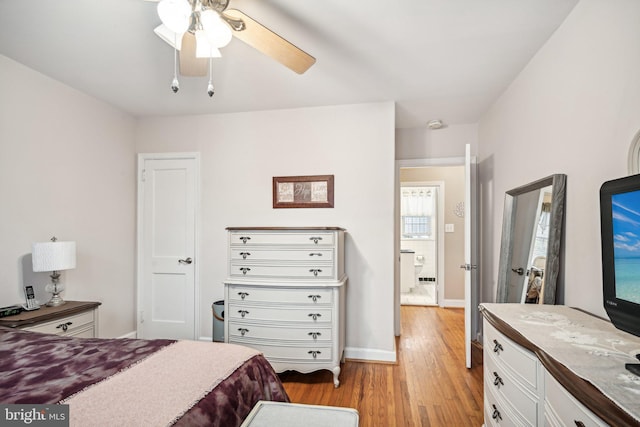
(530, 248)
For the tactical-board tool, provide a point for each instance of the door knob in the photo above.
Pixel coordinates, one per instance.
(185, 261)
(519, 270)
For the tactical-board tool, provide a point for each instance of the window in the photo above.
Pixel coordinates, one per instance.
(416, 227)
(417, 211)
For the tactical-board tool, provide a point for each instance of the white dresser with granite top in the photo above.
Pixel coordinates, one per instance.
(552, 365)
(285, 295)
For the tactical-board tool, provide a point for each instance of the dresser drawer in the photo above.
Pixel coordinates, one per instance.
(251, 238)
(500, 381)
(75, 325)
(562, 409)
(311, 315)
(281, 352)
(311, 296)
(302, 255)
(522, 363)
(496, 412)
(307, 271)
(307, 334)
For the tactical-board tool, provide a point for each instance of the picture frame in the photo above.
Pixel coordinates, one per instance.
(312, 191)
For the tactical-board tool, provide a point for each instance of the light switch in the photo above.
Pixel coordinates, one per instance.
(448, 228)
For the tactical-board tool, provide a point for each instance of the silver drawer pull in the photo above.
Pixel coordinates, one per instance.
(315, 239)
(243, 295)
(497, 381)
(243, 313)
(315, 298)
(315, 315)
(579, 423)
(185, 261)
(496, 414)
(315, 254)
(244, 269)
(245, 254)
(315, 353)
(243, 331)
(497, 348)
(244, 238)
(64, 326)
(315, 271)
(315, 335)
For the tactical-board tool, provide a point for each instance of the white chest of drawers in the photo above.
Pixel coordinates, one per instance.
(285, 296)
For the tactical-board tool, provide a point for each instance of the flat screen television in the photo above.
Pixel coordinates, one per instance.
(620, 234)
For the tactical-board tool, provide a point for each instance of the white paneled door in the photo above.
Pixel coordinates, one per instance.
(470, 255)
(167, 200)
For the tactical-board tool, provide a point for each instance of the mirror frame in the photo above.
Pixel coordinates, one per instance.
(556, 222)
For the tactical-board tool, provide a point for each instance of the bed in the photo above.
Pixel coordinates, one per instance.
(129, 382)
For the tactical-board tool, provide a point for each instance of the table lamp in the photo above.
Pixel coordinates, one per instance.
(54, 256)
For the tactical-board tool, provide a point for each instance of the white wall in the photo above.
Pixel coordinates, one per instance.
(67, 168)
(240, 155)
(424, 143)
(573, 110)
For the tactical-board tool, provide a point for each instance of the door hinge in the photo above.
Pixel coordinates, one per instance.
(143, 176)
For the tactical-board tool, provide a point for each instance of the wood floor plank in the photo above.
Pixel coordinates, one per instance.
(429, 386)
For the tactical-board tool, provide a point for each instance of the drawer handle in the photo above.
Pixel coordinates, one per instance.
(315, 239)
(244, 238)
(579, 423)
(243, 313)
(497, 381)
(315, 298)
(315, 335)
(315, 254)
(315, 315)
(245, 254)
(496, 414)
(315, 353)
(243, 331)
(497, 347)
(64, 326)
(315, 271)
(243, 295)
(244, 269)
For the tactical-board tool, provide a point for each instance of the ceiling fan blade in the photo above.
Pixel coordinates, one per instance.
(191, 66)
(266, 41)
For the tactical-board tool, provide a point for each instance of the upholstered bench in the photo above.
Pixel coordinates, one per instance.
(270, 414)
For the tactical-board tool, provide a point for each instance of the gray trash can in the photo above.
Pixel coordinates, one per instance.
(218, 320)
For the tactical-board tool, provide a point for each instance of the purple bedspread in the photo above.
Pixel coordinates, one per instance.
(40, 368)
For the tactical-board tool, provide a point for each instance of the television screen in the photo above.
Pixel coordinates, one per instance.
(625, 210)
(620, 237)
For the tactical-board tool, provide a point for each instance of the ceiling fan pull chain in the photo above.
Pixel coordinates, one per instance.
(210, 85)
(175, 86)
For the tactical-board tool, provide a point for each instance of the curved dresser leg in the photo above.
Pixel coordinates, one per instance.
(336, 373)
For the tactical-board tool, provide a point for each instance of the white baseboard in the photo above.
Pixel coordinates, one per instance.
(370, 355)
(129, 335)
(454, 303)
(205, 339)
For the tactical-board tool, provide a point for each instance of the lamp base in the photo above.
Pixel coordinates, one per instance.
(55, 301)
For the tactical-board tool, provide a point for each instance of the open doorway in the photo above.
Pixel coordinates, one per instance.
(421, 235)
(445, 280)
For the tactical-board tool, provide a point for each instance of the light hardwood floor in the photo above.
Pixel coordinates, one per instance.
(429, 386)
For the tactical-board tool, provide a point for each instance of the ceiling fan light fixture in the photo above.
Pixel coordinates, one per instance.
(218, 33)
(204, 49)
(175, 14)
(172, 39)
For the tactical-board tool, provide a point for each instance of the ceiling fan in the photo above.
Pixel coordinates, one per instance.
(192, 17)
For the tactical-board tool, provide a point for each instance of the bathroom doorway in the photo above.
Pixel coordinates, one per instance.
(421, 230)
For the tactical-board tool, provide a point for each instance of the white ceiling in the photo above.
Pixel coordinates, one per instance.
(447, 59)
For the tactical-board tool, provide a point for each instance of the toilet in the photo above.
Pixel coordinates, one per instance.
(418, 264)
(407, 270)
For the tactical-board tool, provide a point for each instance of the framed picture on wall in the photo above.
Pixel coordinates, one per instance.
(314, 191)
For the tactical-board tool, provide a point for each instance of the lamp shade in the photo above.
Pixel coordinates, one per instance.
(172, 39)
(175, 14)
(53, 256)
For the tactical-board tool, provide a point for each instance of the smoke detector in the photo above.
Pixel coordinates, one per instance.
(435, 124)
